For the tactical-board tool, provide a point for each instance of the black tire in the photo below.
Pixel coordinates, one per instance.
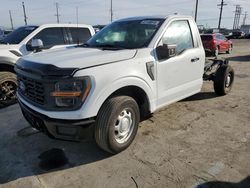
(230, 50)
(223, 85)
(8, 87)
(107, 120)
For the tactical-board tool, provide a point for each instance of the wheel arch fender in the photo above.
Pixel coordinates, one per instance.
(7, 64)
(121, 83)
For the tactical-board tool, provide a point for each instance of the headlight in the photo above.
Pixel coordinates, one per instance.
(71, 93)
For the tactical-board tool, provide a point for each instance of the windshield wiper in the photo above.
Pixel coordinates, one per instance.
(85, 45)
(109, 47)
(103, 46)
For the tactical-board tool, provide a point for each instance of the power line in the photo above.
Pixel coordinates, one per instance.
(24, 14)
(222, 4)
(11, 20)
(57, 13)
(196, 10)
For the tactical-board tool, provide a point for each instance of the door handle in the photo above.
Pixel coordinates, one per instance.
(195, 59)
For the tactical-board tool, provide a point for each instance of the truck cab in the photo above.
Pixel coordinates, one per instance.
(19, 43)
(128, 70)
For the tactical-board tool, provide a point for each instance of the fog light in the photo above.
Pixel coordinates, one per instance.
(65, 101)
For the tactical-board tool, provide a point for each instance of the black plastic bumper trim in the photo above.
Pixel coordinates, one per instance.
(78, 129)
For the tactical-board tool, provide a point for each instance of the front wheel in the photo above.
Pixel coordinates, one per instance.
(223, 80)
(216, 52)
(117, 124)
(230, 49)
(8, 86)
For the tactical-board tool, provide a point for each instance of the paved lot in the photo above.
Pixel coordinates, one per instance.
(194, 142)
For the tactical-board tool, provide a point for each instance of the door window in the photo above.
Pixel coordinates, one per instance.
(79, 35)
(179, 34)
(51, 37)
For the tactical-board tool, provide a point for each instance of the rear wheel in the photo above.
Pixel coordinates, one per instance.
(117, 124)
(224, 79)
(8, 86)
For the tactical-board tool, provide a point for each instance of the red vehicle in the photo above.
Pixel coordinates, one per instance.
(216, 43)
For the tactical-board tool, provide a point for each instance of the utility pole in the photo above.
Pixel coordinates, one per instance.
(237, 17)
(11, 21)
(111, 11)
(244, 19)
(222, 4)
(77, 16)
(57, 12)
(24, 14)
(196, 10)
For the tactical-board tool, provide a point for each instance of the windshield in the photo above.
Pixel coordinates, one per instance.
(126, 34)
(18, 35)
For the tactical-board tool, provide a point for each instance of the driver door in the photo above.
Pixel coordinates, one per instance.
(180, 76)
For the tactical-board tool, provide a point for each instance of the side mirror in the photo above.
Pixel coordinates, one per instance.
(37, 45)
(166, 51)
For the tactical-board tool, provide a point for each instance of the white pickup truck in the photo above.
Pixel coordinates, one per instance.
(19, 43)
(127, 71)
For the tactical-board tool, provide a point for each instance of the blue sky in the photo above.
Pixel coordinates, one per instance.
(97, 11)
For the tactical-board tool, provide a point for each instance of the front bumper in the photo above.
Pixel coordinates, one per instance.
(72, 130)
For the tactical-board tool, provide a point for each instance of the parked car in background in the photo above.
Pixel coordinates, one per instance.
(19, 43)
(216, 43)
(247, 36)
(236, 35)
(245, 29)
(4, 33)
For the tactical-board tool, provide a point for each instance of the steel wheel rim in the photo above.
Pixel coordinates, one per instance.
(8, 91)
(124, 126)
(228, 80)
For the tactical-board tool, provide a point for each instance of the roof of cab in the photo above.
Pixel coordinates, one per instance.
(65, 25)
(153, 17)
(59, 25)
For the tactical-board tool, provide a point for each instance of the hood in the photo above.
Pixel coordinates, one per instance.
(7, 47)
(79, 57)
